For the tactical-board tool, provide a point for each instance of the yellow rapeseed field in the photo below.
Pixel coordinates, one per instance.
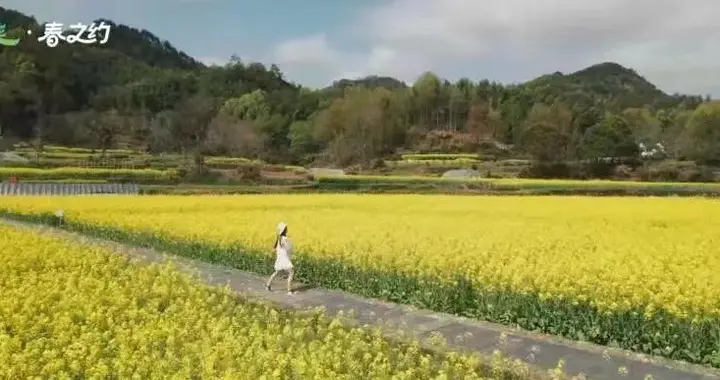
(80, 311)
(615, 252)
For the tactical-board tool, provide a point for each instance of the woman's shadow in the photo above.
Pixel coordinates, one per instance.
(302, 288)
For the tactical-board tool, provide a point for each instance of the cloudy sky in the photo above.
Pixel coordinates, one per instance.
(675, 44)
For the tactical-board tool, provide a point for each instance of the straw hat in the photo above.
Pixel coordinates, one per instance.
(281, 228)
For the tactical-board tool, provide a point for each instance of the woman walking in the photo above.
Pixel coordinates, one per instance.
(283, 250)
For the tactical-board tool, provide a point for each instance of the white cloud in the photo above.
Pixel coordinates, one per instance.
(673, 43)
(311, 60)
(307, 50)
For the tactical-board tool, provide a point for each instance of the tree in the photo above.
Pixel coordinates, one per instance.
(190, 125)
(672, 130)
(478, 123)
(18, 93)
(99, 129)
(230, 136)
(361, 126)
(644, 125)
(301, 139)
(250, 106)
(457, 105)
(275, 128)
(701, 138)
(514, 111)
(546, 133)
(104, 127)
(138, 127)
(485, 123)
(611, 139)
(161, 139)
(426, 91)
(40, 130)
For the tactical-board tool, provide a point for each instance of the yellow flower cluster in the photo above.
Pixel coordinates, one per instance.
(74, 311)
(615, 252)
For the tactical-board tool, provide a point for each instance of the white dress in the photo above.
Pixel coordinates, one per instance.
(283, 252)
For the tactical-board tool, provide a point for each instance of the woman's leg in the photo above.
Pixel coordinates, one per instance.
(291, 272)
(270, 280)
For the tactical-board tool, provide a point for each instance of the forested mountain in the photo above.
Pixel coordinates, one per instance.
(141, 91)
(370, 82)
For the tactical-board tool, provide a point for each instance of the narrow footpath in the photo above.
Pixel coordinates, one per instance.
(539, 351)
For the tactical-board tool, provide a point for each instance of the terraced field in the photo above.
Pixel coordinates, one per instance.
(636, 273)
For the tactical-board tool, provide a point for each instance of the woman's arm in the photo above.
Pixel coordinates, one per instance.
(288, 245)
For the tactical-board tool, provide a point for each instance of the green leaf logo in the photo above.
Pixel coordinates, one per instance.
(7, 41)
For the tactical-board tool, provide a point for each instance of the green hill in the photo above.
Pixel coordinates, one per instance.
(609, 84)
(135, 68)
(141, 90)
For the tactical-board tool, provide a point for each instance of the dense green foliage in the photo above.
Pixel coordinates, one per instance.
(140, 91)
(661, 334)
